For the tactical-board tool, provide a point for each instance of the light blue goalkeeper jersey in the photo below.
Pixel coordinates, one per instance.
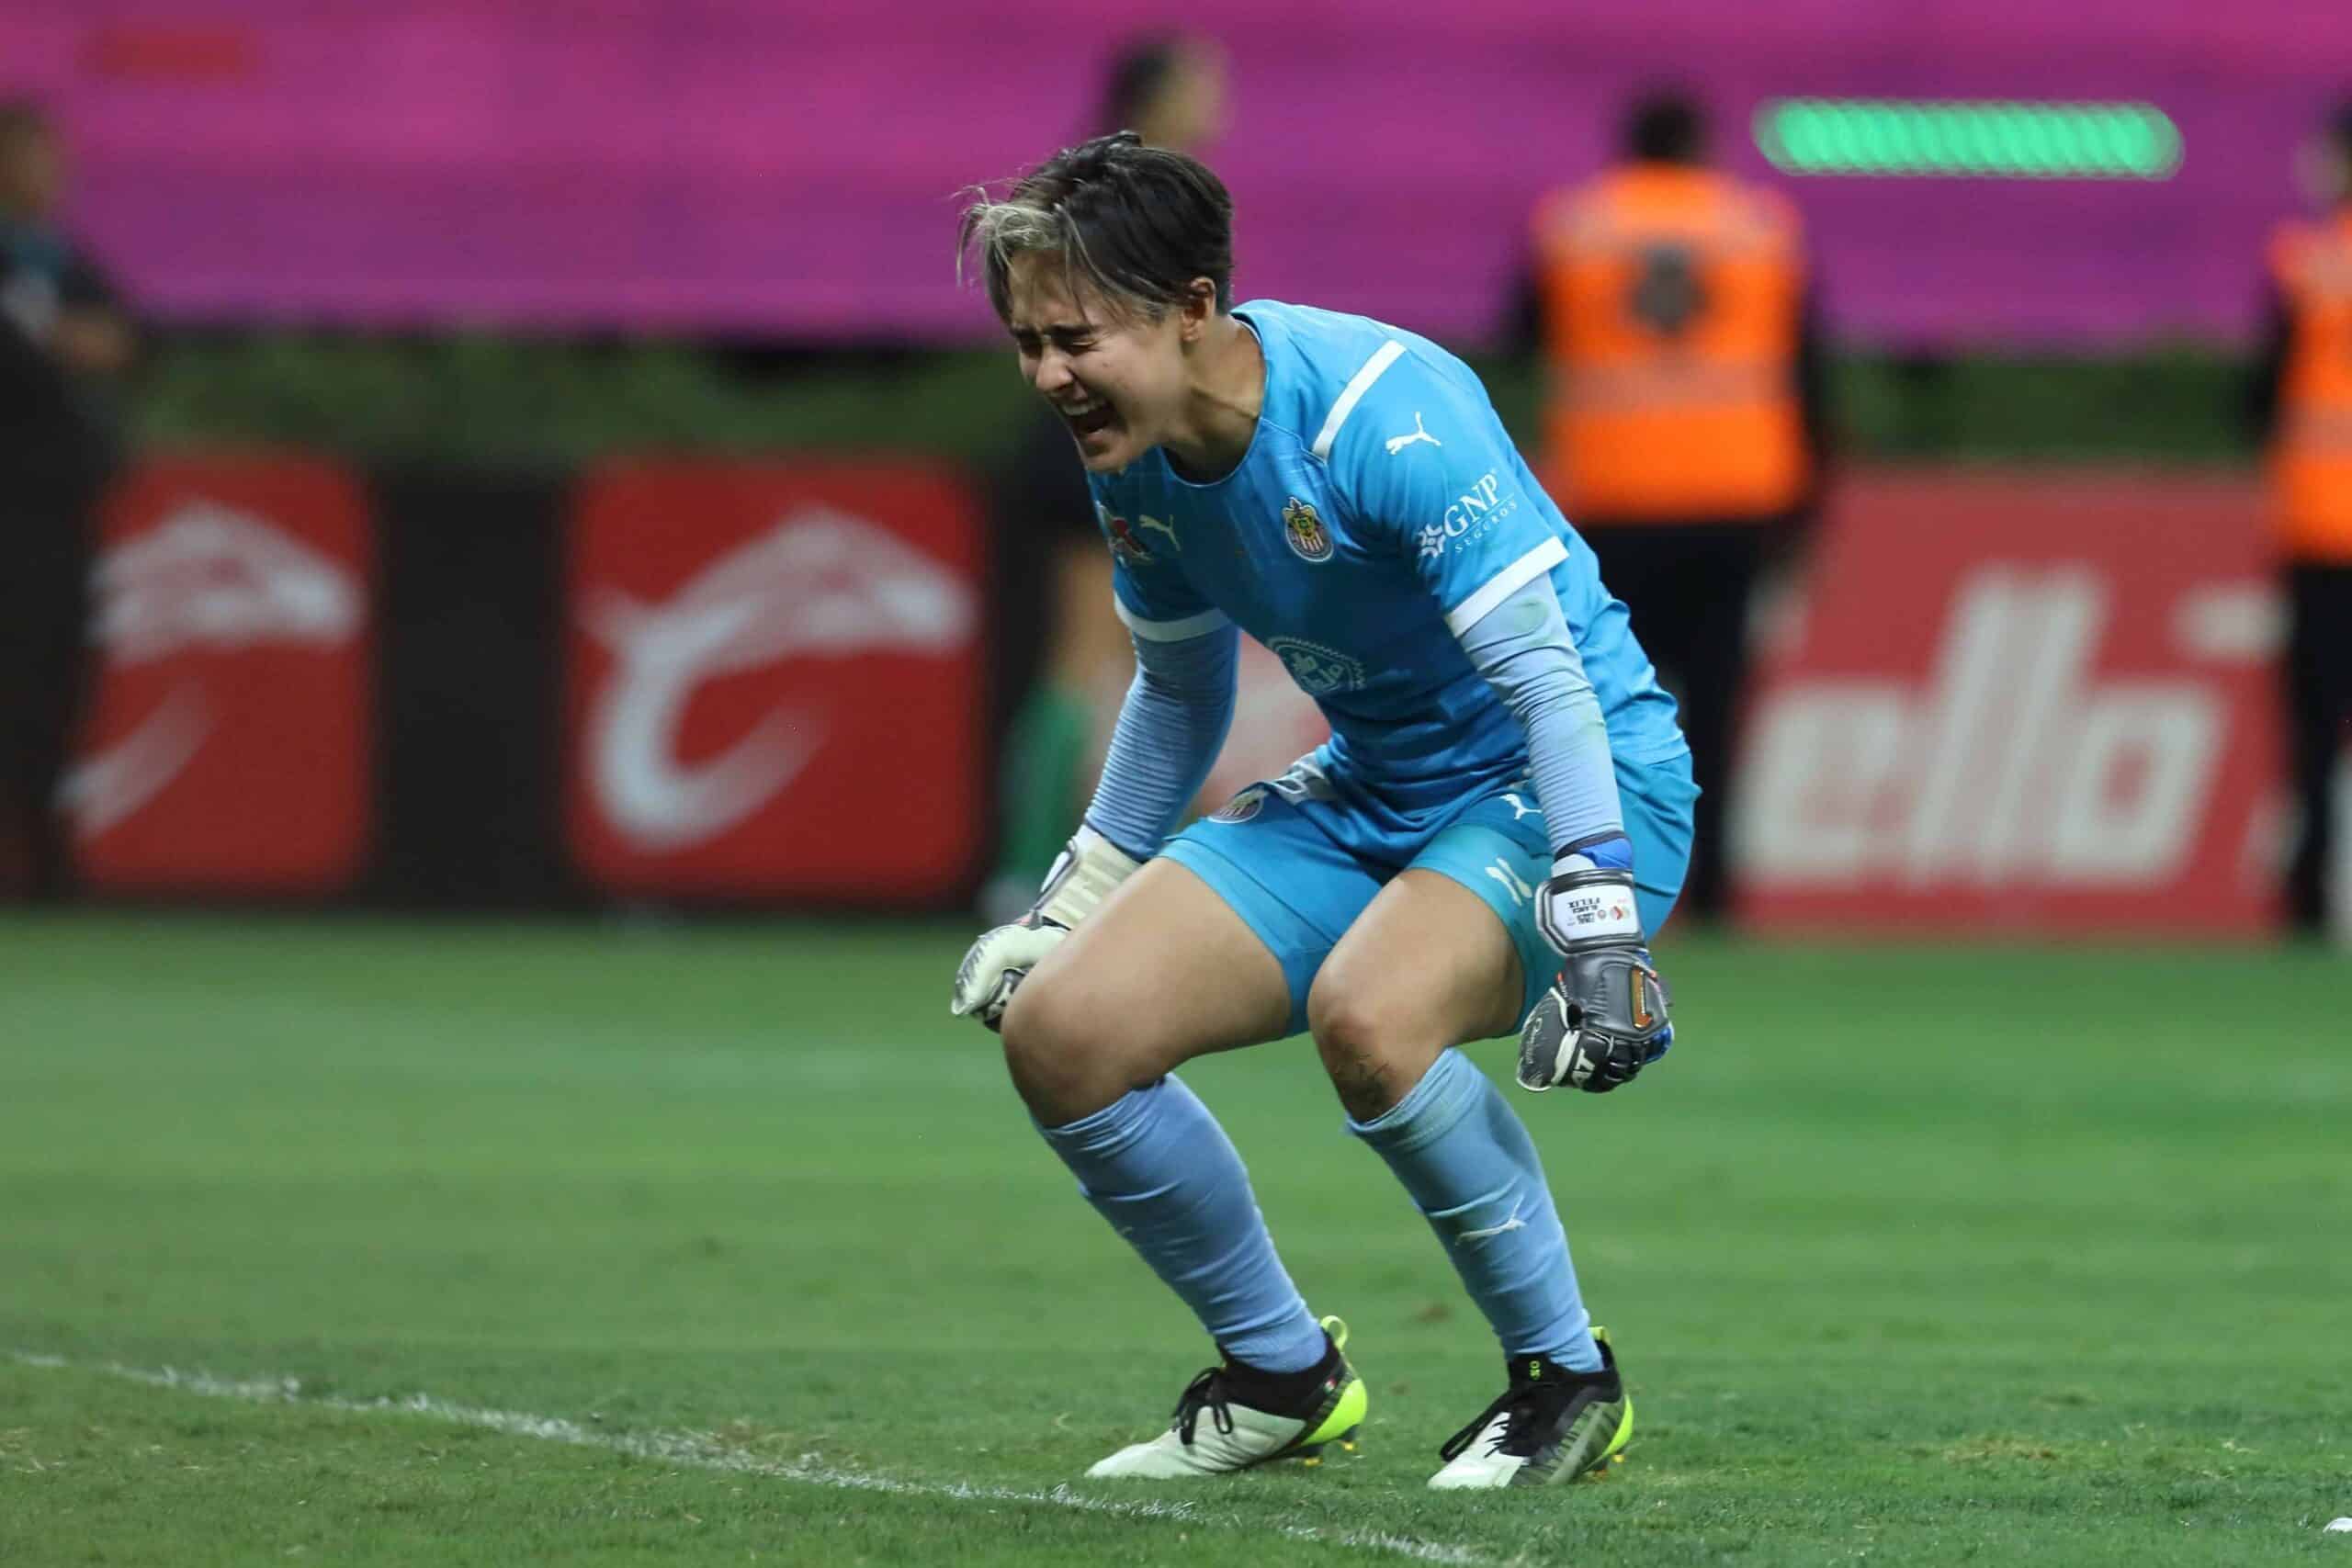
(1381, 509)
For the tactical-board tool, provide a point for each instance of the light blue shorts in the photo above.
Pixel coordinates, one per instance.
(1285, 865)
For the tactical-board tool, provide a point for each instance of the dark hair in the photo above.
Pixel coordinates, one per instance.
(1139, 73)
(1137, 223)
(1666, 126)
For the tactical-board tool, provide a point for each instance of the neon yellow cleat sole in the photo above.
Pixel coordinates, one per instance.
(1237, 1436)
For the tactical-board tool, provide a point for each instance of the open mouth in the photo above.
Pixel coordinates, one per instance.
(1091, 420)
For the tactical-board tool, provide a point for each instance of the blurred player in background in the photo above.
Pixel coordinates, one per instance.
(1684, 424)
(1170, 91)
(2301, 407)
(1499, 819)
(65, 342)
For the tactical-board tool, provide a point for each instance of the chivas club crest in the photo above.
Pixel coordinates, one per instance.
(1124, 544)
(1309, 540)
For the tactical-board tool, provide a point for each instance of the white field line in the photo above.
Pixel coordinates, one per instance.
(701, 1451)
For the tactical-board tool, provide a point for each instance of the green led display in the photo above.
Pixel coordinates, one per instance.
(1975, 140)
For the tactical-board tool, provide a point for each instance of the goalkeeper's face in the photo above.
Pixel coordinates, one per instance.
(1118, 377)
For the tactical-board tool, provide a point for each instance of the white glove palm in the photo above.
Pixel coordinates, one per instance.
(1083, 877)
(998, 962)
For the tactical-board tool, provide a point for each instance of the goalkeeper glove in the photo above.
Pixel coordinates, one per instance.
(1082, 875)
(1604, 1017)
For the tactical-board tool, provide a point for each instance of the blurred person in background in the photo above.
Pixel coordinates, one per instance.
(1170, 90)
(65, 343)
(1684, 422)
(2301, 408)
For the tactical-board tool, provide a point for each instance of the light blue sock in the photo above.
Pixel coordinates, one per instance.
(1155, 1165)
(1474, 1174)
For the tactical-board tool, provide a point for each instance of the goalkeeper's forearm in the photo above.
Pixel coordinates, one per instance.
(1524, 649)
(1170, 728)
(1169, 731)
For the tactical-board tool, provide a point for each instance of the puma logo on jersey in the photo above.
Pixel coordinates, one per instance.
(1518, 807)
(1398, 443)
(1157, 526)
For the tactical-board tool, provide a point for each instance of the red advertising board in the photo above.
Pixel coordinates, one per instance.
(774, 685)
(228, 747)
(2020, 702)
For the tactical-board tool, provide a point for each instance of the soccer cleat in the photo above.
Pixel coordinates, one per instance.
(1253, 1417)
(1551, 1425)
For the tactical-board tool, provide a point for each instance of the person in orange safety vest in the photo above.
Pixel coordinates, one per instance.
(2301, 408)
(1674, 310)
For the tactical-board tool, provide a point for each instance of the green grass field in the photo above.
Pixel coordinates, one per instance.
(1948, 1255)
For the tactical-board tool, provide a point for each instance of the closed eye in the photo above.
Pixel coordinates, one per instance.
(1031, 345)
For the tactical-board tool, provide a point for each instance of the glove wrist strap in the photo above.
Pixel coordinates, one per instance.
(1089, 867)
(1588, 908)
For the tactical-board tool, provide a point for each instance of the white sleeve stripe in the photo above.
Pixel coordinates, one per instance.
(1390, 352)
(1505, 584)
(1168, 631)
